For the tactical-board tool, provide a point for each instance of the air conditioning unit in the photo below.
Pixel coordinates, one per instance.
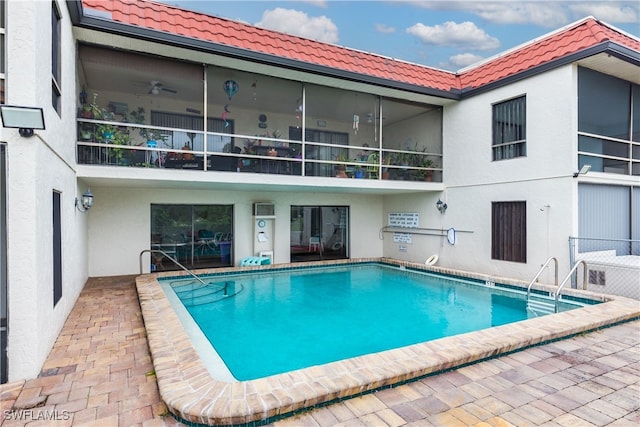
(264, 210)
(597, 277)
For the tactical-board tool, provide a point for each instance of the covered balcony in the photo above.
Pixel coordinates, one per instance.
(141, 111)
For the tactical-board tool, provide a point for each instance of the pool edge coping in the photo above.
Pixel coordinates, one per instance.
(191, 393)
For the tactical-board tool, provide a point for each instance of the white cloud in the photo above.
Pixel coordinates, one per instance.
(543, 13)
(464, 35)
(464, 59)
(319, 3)
(298, 23)
(612, 12)
(384, 29)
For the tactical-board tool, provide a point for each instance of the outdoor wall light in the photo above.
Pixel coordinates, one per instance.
(25, 119)
(583, 171)
(85, 203)
(442, 206)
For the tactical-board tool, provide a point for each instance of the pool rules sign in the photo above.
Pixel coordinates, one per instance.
(403, 220)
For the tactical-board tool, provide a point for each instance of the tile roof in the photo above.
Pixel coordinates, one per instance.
(579, 36)
(173, 20)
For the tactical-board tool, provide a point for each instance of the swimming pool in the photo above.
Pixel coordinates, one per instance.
(263, 324)
(193, 394)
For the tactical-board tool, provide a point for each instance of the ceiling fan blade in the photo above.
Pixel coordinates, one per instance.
(166, 89)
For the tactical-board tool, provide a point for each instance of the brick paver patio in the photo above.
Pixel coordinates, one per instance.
(100, 373)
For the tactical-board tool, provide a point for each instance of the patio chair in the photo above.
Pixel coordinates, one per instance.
(316, 245)
(373, 166)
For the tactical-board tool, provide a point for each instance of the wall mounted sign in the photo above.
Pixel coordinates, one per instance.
(403, 238)
(404, 219)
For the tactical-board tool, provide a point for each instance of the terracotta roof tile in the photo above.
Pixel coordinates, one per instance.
(585, 34)
(170, 19)
(173, 20)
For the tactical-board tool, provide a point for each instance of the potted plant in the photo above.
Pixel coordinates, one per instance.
(152, 136)
(395, 159)
(105, 132)
(94, 111)
(425, 174)
(86, 131)
(122, 154)
(341, 168)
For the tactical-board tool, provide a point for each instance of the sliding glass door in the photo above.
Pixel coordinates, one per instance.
(197, 236)
(319, 232)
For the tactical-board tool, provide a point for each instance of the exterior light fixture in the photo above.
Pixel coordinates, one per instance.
(85, 202)
(441, 206)
(583, 171)
(25, 119)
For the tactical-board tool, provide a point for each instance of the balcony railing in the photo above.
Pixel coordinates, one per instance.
(609, 155)
(111, 143)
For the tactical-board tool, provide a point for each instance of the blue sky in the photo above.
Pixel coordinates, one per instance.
(447, 35)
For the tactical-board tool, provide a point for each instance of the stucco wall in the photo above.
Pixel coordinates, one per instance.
(119, 225)
(543, 178)
(36, 167)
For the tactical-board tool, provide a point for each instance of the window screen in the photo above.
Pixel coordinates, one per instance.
(509, 129)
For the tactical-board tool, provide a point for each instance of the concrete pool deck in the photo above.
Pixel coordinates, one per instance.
(190, 392)
(99, 373)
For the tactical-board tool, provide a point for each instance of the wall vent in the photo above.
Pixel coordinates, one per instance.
(264, 210)
(597, 277)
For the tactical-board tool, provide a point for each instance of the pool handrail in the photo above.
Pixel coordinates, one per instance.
(556, 294)
(175, 261)
(546, 263)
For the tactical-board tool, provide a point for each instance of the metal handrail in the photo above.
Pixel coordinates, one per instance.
(175, 261)
(556, 295)
(546, 263)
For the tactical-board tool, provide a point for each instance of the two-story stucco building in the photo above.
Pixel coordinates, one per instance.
(309, 151)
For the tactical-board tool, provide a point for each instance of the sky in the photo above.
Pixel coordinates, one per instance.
(448, 35)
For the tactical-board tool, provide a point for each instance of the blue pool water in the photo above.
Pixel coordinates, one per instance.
(268, 323)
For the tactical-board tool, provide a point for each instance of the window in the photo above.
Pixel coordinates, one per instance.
(57, 248)
(509, 231)
(608, 123)
(321, 152)
(178, 139)
(509, 129)
(55, 57)
(195, 235)
(319, 232)
(2, 50)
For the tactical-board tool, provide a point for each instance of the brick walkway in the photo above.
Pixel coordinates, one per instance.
(99, 373)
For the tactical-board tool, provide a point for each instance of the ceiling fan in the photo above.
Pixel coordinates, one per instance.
(155, 87)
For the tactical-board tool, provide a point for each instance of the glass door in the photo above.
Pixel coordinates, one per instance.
(319, 233)
(197, 236)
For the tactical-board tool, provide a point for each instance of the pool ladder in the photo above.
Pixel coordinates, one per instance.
(172, 259)
(544, 307)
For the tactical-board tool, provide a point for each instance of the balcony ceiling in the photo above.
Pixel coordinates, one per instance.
(111, 71)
